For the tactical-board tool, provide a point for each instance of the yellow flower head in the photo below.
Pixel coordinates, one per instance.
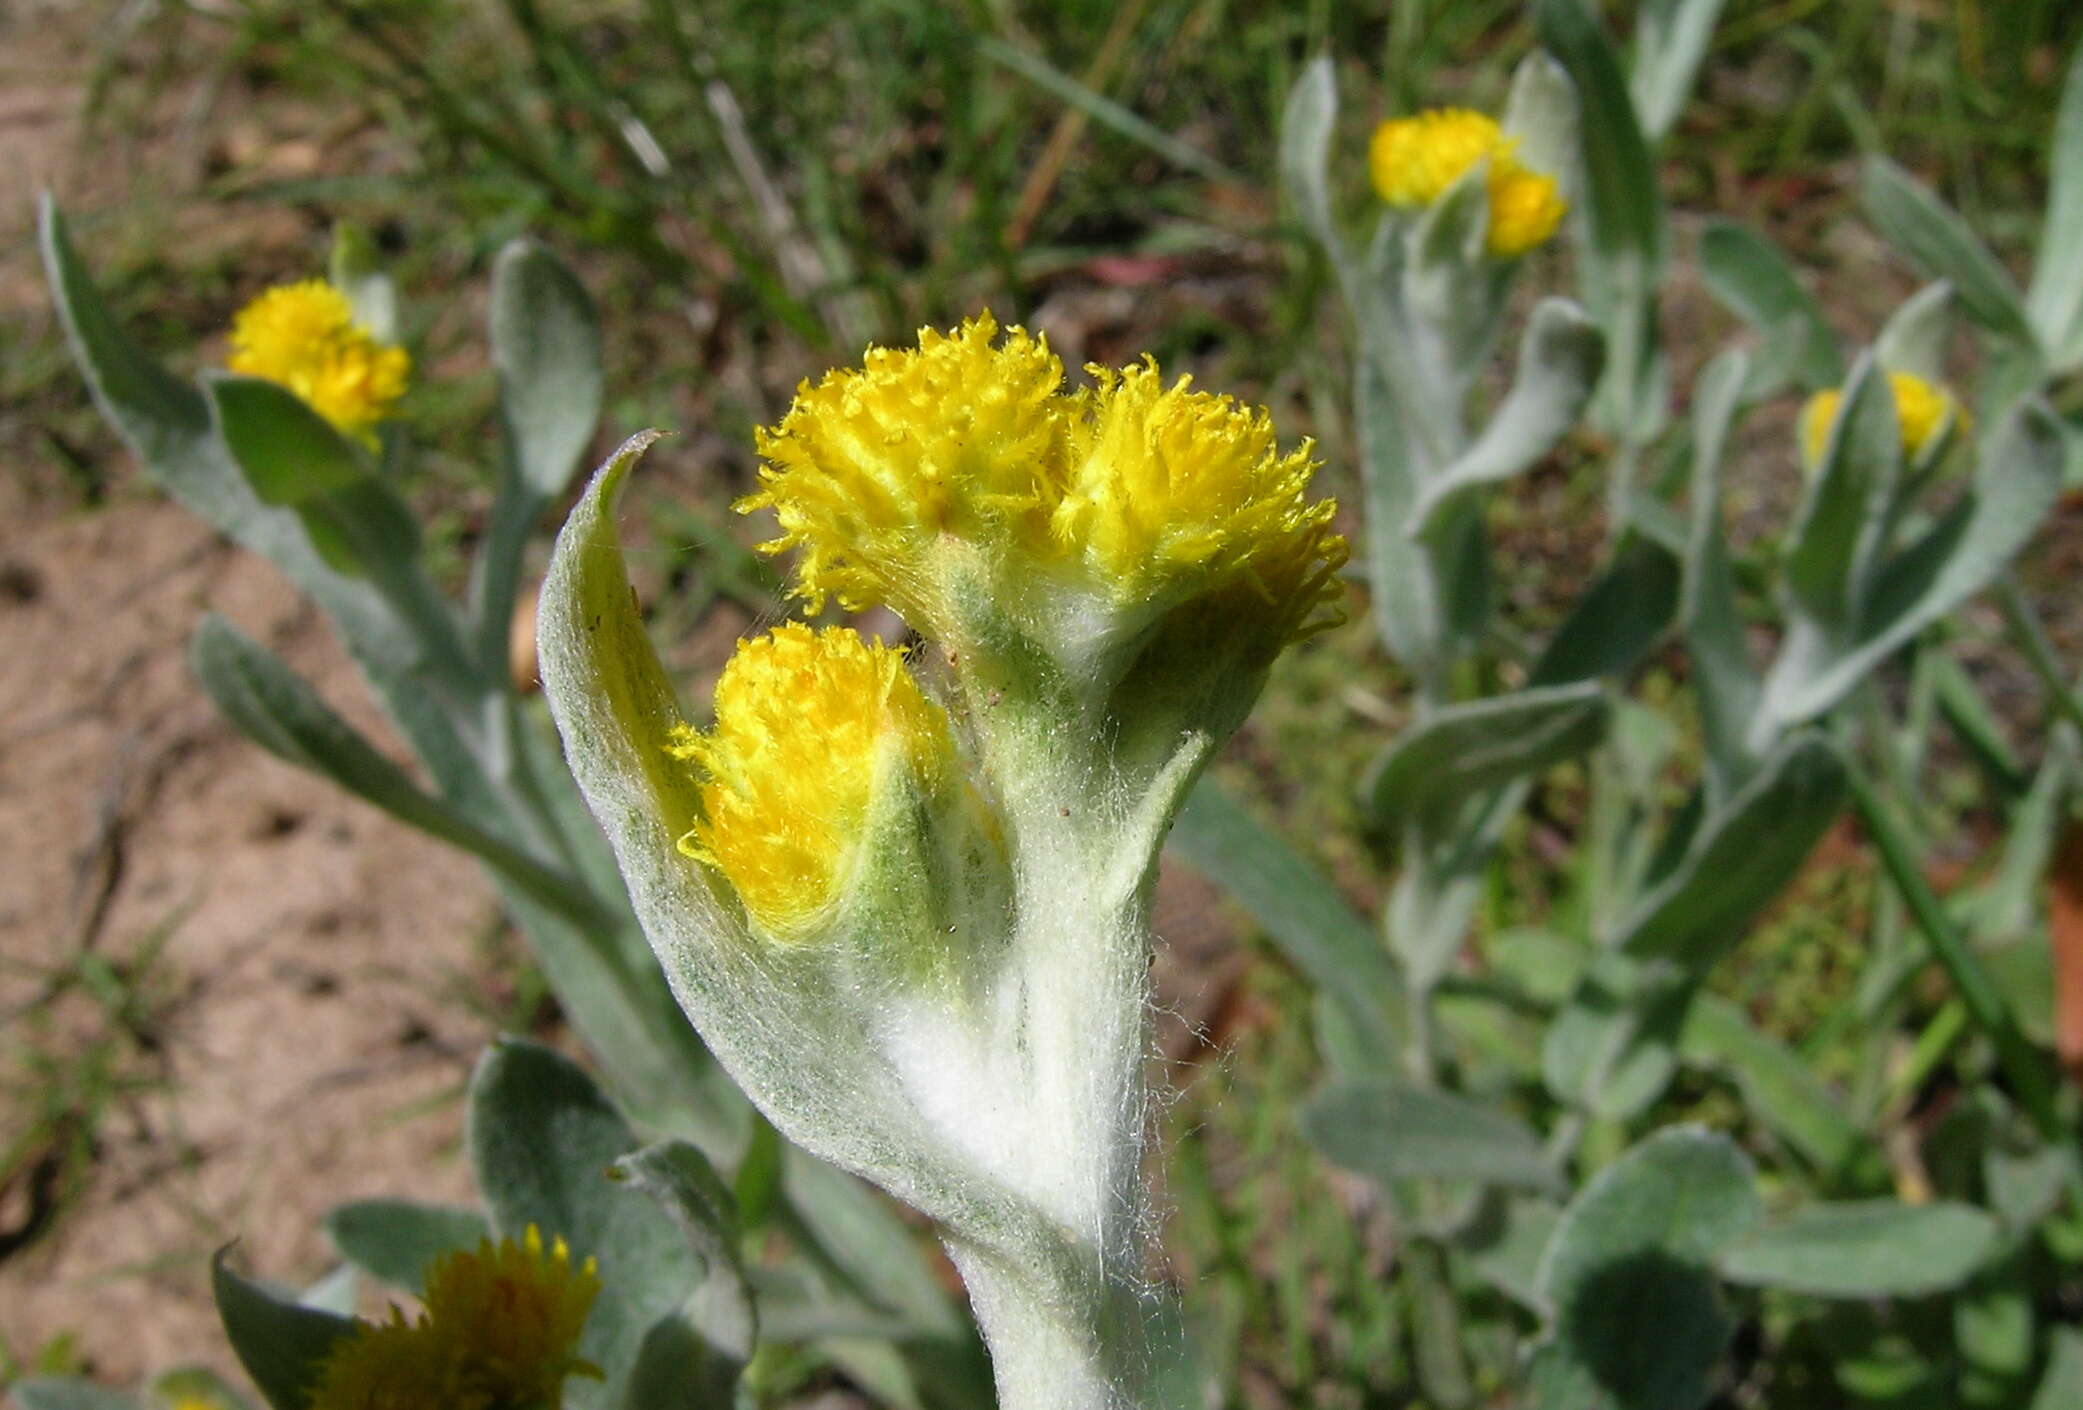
(807, 722)
(1167, 484)
(1130, 491)
(1920, 409)
(304, 337)
(1416, 160)
(871, 467)
(500, 1331)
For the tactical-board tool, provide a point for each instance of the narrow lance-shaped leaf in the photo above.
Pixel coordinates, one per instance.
(1744, 855)
(1620, 178)
(2016, 483)
(1753, 280)
(1670, 40)
(1541, 117)
(1914, 338)
(2055, 300)
(356, 269)
(289, 452)
(1623, 215)
(1777, 1085)
(282, 1345)
(1868, 1249)
(1619, 618)
(276, 709)
(546, 351)
(1834, 548)
(1468, 749)
(1714, 634)
(1391, 1132)
(542, 1137)
(1305, 152)
(693, 1356)
(1297, 906)
(1938, 240)
(1559, 361)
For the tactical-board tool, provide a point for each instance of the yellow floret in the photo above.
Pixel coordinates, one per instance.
(1169, 485)
(500, 1331)
(1416, 160)
(1128, 491)
(1526, 208)
(807, 722)
(304, 337)
(870, 467)
(1920, 409)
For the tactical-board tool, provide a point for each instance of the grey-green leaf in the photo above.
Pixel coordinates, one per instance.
(1835, 544)
(1670, 40)
(289, 453)
(395, 1240)
(1541, 117)
(2016, 483)
(1635, 1250)
(1468, 749)
(1923, 227)
(1729, 683)
(1390, 1132)
(67, 1393)
(700, 1204)
(1753, 280)
(282, 1344)
(2055, 300)
(1618, 620)
(1305, 153)
(1560, 357)
(1744, 854)
(1620, 177)
(1782, 1090)
(546, 350)
(356, 270)
(1914, 337)
(275, 708)
(1874, 1248)
(2061, 1388)
(542, 1140)
(1297, 906)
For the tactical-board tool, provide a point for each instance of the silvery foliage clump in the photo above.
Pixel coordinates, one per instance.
(1632, 1280)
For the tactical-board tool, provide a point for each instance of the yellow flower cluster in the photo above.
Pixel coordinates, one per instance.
(1139, 493)
(500, 1331)
(1416, 160)
(807, 721)
(304, 337)
(1920, 410)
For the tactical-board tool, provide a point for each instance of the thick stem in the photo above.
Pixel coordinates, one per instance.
(1088, 1351)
